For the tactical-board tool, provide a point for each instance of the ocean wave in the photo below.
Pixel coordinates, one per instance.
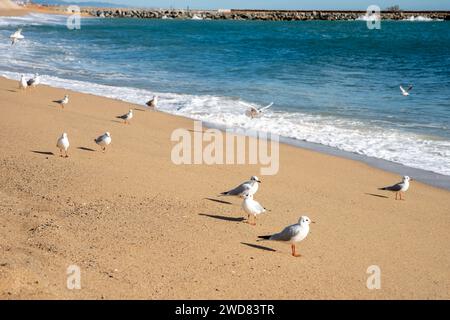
(33, 19)
(368, 139)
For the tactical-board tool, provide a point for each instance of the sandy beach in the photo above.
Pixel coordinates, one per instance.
(142, 227)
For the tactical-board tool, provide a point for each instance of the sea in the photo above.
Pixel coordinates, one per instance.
(334, 84)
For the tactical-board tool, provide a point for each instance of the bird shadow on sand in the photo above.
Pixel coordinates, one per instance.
(224, 218)
(258, 247)
(138, 109)
(45, 153)
(117, 121)
(219, 201)
(376, 195)
(11, 90)
(86, 149)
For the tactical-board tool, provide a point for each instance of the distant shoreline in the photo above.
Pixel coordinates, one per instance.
(244, 14)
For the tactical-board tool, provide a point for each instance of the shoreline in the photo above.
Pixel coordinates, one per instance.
(428, 177)
(124, 215)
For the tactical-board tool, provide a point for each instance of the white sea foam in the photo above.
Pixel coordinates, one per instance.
(421, 19)
(373, 17)
(410, 149)
(33, 19)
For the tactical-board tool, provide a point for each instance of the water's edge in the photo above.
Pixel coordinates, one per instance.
(428, 177)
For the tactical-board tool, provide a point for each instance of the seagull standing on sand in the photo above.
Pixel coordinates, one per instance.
(126, 117)
(153, 103)
(63, 102)
(16, 36)
(253, 112)
(405, 92)
(249, 187)
(23, 82)
(63, 144)
(292, 234)
(399, 187)
(104, 140)
(252, 207)
(33, 82)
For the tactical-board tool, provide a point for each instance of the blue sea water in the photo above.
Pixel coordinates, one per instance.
(332, 83)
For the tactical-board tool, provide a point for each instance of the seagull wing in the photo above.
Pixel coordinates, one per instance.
(409, 88)
(238, 190)
(403, 90)
(258, 207)
(287, 234)
(266, 107)
(395, 187)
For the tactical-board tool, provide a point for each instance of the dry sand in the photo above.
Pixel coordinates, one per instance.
(141, 227)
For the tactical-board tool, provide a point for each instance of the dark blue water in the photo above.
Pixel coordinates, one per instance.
(334, 83)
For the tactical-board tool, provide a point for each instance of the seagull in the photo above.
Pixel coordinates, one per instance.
(253, 112)
(126, 117)
(249, 187)
(33, 82)
(63, 102)
(252, 207)
(23, 82)
(63, 144)
(16, 36)
(153, 103)
(399, 187)
(104, 140)
(406, 92)
(294, 234)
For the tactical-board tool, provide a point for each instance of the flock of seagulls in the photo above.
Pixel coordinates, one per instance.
(292, 234)
(32, 83)
(297, 232)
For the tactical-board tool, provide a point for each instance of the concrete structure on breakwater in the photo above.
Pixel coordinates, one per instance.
(266, 15)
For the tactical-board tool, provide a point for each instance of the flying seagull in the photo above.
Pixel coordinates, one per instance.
(153, 103)
(249, 187)
(63, 102)
(253, 112)
(63, 144)
(23, 82)
(293, 234)
(16, 36)
(252, 207)
(104, 140)
(406, 92)
(126, 117)
(33, 82)
(399, 187)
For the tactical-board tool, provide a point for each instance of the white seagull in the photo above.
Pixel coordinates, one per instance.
(63, 144)
(252, 207)
(399, 187)
(104, 140)
(153, 103)
(126, 117)
(249, 187)
(23, 82)
(406, 92)
(63, 102)
(33, 82)
(253, 112)
(16, 36)
(292, 234)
